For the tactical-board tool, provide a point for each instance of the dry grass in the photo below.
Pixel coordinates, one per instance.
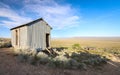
(94, 42)
(5, 42)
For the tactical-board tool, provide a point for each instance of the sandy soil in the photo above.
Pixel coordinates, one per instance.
(9, 65)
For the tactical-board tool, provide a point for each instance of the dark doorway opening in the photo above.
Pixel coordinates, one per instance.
(47, 40)
(16, 37)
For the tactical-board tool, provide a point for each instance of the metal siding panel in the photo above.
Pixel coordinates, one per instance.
(36, 35)
(32, 36)
(23, 37)
(12, 38)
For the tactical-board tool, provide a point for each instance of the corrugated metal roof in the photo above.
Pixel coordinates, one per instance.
(30, 23)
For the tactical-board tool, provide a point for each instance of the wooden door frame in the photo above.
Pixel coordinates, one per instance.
(16, 37)
(47, 40)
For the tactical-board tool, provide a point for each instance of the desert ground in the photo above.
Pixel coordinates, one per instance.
(10, 65)
(101, 42)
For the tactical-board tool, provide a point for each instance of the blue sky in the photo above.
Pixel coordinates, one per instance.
(69, 18)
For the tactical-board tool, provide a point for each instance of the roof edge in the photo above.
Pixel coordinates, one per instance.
(30, 23)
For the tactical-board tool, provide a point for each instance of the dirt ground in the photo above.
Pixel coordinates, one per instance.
(9, 65)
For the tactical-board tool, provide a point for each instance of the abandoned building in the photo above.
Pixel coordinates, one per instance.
(33, 35)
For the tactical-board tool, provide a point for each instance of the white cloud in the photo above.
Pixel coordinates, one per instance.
(3, 5)
(14, 18)
(57, 15)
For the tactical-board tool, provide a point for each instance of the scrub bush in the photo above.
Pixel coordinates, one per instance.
(42, 58)
(76, 46)
(64, 60)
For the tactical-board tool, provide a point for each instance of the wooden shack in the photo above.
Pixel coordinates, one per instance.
(33, 35)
